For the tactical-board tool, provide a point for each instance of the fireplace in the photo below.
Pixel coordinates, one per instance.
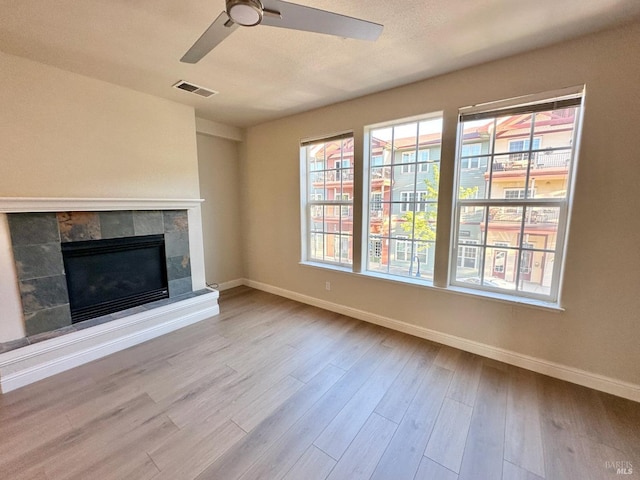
(47, 245)
(106, 276)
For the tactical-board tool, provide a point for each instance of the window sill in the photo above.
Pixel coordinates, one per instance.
(328, 266)
(452, 289)
(504, 298)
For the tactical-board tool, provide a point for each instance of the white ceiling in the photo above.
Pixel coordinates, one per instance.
(263, 72)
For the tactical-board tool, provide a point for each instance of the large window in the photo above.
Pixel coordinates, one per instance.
(511, 189)
(328, 200)
(403, 197)
(510, 235)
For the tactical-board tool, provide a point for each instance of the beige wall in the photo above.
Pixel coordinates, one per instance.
(219, 167)
(600, 330)
(65, 135)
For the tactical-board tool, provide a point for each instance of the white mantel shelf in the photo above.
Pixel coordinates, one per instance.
(51, 204)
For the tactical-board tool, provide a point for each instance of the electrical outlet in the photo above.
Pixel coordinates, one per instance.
(327, 285)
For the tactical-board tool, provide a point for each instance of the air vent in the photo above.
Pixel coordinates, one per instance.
(195, 89)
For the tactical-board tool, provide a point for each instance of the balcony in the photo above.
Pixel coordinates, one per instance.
(539, 161)
(332, 176)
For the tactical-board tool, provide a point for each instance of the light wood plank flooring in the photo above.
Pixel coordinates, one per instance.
(274, 389)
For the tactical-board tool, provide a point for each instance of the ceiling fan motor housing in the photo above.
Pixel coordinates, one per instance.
(247, 13)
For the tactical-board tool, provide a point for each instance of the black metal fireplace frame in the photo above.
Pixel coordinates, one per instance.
(74, 250)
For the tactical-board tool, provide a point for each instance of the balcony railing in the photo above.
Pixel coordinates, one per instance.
(539, 160)
(333, 176)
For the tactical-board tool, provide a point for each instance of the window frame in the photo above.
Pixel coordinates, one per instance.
(310, 201)
(563, 204)
(419, 203)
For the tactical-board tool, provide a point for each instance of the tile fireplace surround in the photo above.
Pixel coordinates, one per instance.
(35, 326)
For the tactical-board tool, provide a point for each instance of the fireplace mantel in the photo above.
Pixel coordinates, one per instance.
(59, 204)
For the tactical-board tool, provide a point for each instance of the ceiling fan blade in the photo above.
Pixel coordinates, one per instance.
(299, 17)
(220, 29)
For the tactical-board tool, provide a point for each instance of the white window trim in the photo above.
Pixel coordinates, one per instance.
(311, 201)
(562, 231)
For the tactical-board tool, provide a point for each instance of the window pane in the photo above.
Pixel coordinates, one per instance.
(469, 260)
(509, 177)
(546, 127)
(537, 272)
(550, 172)
(500, 268)
(541, 227)
(471, 224)
(512, 133)
(316, 247)
(504, 226)
(403, 225)
(346, 219)
(473, 177)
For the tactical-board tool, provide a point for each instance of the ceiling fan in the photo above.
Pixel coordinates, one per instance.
(276, 13)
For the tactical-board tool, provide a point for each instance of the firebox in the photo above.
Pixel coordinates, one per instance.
(106, 276)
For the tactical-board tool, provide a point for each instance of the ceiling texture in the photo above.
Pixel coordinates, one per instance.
(262, 73)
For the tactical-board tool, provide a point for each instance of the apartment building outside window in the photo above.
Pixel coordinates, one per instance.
(514, 172)
(515, 229)
(404, 188)
(328, 199)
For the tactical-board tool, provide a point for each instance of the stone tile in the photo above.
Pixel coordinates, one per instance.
(79, 226)
(46, 292)
(116, 224)
(179, 287)
(13, 344)
(40, 337)
(176, 244)
(47, 320)
(148, 222)
(33, 228)
(34, 261)
(176, 221)
(178, 267)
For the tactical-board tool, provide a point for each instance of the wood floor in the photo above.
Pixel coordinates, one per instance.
(274, 389)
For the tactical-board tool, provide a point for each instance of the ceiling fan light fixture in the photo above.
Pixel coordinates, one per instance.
(245, 12)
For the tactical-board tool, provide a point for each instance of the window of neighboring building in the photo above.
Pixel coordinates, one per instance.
(511, 237)
(403, 197)
(409, 162)
(328, 200)
(470, 156)
(514, 193)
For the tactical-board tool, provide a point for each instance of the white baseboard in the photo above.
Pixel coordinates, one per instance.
(29, 364)
(570, 374)
(238, 282)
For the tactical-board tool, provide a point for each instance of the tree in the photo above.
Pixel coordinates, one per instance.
(421, 225)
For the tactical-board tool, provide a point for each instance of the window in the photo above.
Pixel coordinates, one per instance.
(328, 200)
(510, 236)
(413, 201)
(403, 197)
(470, 156)
(409, 161)
(468, 257)
(513, 193)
